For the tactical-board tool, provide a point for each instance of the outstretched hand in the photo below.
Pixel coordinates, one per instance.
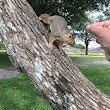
(102, 32)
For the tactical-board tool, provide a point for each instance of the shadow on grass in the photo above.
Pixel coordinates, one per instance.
(4, 61)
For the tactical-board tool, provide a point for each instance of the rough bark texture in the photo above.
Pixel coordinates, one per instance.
(52, 72)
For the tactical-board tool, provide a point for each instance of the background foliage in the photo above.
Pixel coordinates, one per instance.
(72, 10)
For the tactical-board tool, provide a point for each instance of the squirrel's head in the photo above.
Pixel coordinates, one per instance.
(68, 38)
(44, 18)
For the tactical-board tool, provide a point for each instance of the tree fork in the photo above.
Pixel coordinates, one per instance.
(52, 72)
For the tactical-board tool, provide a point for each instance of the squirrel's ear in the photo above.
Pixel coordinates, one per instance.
(66, 32)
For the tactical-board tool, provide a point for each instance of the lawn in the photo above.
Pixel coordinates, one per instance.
(19, 93)
(99, 76)
(86, 58)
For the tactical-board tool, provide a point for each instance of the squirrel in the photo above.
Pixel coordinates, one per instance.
(59, 34)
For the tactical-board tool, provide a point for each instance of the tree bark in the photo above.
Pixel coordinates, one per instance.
(52, 72)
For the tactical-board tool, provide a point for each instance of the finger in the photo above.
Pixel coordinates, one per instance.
(97, 30)
(102, 24)
(106, 24)
(107, 54)
(97, 40)
(94, 29)
(101, 41)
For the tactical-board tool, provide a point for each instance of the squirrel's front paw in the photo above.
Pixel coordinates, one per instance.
(50, 47)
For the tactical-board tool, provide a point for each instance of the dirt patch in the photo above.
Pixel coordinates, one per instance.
(90, 64)
(9, 73)
(108, 70)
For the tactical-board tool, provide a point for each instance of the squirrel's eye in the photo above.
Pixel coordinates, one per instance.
(70, 36)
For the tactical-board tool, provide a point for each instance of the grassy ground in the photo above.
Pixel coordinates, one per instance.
(77, 58)
(99, 76)
(85, 58)
(19, 94)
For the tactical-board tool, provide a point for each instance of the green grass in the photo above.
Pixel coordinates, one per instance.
(85, 58)
(19, 94)
(2, 50)
(4, 61)
(99, 76)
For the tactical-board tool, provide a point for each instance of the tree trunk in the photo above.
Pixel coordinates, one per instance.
(52, 72)
(86, 51)
(86, 43)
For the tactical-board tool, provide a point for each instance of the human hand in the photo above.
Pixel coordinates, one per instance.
(102, 32)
